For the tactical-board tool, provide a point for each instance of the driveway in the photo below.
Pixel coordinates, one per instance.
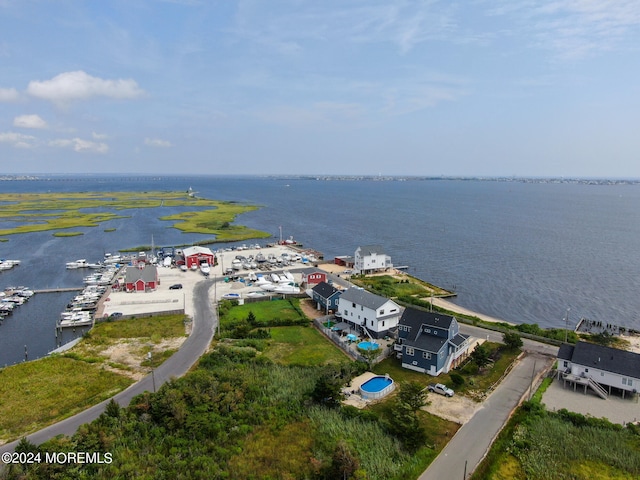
(204, 324)
(472, 441)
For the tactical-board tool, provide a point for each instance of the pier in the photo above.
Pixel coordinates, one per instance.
(58, 290)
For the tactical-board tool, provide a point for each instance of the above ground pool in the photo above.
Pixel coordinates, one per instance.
(376, 387)
(368, 345)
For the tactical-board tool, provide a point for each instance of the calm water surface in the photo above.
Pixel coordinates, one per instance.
(524, 252)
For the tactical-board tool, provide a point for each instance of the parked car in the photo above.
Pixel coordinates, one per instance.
(176, 286)
(116, 315)
(441, 389)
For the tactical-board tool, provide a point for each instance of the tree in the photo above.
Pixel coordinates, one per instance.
(413, 395)
(512, 340)
(480, 355)
(404, 424)
(344, 463)
(328, 389)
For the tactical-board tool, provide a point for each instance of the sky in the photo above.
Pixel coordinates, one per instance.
(529, 88)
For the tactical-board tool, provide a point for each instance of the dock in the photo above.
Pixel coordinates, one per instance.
(58, 290)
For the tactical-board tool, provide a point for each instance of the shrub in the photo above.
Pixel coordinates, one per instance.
(457, 379)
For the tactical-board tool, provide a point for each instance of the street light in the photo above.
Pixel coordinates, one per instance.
(566, 325)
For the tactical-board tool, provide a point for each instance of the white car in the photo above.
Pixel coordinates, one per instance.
(441, 389)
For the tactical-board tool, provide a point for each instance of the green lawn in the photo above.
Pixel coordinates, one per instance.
(266, 313)
(302, 346)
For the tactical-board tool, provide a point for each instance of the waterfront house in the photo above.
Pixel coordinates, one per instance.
(197, 255)
(141, 278)
(371, 259)
(602, 369)
(430, 342)
(367, 312)
(325, 297)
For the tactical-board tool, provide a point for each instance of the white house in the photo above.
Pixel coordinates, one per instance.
(370, 259)
(367, 311)
(602, 369)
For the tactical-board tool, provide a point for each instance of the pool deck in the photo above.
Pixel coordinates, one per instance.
(352, 392)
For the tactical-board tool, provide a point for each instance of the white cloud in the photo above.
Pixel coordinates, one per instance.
(80, 145)
(9, 95)
(157, 142)
(17, 140)
(29, 121)
(99, 136)
(78, 85)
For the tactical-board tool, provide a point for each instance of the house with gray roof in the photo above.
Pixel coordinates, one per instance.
(430, 342)
(367, 312)
(371, 259)
(325, 297)
(601, 369)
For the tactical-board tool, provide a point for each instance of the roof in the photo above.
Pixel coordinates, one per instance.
(371, 250)
(325, 290)
(148, 274)
(605, 358)
(360, 296)
(416, 318)
(196, 250)
(459, 339)
(429, 343)
(566, 351)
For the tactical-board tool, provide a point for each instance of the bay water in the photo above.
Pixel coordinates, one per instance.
(522, 251)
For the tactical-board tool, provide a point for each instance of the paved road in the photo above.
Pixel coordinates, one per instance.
(475, 437)
(204, 324)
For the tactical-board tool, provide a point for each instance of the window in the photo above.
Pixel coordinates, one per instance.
(566, 364)
(383, 323)
(426, 355)
(586, 370)
(393, 310)
(371, 322)
(353, 305)
(410, 351)
(381, 312)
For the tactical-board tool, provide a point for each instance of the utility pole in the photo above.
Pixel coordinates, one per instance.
(153, 377)
(566, 325)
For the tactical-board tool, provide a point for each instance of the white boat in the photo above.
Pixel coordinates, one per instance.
(184, 268)
(231, 296)
(287, 288)
(205, 269)
(80, 263)
(256, 294)
(267, 286)
(288, 276)
(194, 267)
(166, 262)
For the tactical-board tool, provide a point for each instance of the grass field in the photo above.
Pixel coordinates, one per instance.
(266, 313)
(302, 346)
(38, 393)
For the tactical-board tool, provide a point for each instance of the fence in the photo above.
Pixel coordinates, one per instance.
(346, 347)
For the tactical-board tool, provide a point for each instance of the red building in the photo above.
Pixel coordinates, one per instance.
(197, 255)
(141, 278)
(314, 278)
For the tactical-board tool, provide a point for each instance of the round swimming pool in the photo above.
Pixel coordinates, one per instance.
(376, 387)
(368, 345)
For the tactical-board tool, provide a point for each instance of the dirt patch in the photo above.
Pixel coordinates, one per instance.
(130, 353)
(309, 309)
(457, 409)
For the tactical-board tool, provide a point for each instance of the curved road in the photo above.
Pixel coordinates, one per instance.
(204, 325)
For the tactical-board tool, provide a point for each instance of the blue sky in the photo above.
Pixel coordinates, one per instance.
(480, 87)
